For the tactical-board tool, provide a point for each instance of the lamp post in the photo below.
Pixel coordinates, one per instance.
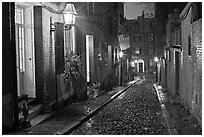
(121, 56)
(156, 60)
(69, 14)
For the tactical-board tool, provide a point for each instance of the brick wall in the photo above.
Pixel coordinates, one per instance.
(171, 72)
(197, 65)
(39, 63)
(163, 73)
(45, 57)
(187, 64)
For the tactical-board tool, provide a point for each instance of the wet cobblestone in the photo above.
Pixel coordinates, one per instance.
(136, 111)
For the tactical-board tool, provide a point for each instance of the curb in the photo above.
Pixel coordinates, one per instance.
(171, 128)
(69, 129)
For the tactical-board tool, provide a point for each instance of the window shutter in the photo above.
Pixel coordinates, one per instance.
(59, 48)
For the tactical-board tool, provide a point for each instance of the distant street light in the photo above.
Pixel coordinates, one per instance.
(121, 56)
(156, 60)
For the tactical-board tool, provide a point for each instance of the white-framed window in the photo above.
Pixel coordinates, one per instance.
(137, 38)
(150, 37)
(137, 51)
(20, 37)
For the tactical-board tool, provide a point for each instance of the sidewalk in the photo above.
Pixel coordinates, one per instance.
(70, 117)
(178, 119)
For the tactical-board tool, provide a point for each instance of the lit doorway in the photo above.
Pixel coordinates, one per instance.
(25, 55)
(140, 66)
(89, 57)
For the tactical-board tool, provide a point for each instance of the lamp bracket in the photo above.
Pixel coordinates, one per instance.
(53, 27)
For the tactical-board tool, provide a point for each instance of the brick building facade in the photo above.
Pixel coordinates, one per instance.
(142, 43)
(33, 43)
(173, 39)
(102, 25)
(191, 58)
(181, 68)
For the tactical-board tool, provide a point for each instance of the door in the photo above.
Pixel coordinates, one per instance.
(25, 54)
(89, 58)
(29, 54)
(177, 72)
(140, 67)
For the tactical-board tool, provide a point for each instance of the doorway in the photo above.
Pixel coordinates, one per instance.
(89, 57)
(25, 54)
(140, 66)
(177, 72)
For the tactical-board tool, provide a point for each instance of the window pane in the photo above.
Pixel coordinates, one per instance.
(19, 16)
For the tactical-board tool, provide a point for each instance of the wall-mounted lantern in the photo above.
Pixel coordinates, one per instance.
(120, 54)
(69, 18)
(156, 60)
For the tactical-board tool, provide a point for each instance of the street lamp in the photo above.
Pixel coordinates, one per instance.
(69, 18)
(69, 14)
(121, 56)
(156, 60)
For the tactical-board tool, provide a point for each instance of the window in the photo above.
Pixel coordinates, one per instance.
(152, 26)
(137, 38)
(137, 26)
(20, 37)
(150, 37)
(197, 11)
(151, 50)
(122, 20)
(138, 51)
(90, 10)
(176, 37)
(168, 54)
(179, 37)
(189, 46)
(110, 25)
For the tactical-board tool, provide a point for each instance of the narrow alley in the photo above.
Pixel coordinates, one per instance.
(101, 68)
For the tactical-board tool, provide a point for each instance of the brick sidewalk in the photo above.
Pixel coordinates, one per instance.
(179, 117)
(71, 116)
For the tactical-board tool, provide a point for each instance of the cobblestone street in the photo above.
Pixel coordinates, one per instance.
(136, 111)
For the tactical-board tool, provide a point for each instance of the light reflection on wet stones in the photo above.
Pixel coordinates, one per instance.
(137, 111)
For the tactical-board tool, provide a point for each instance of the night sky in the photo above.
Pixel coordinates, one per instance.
(134, 9)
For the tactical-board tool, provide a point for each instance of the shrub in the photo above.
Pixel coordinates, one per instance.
(72, 74)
